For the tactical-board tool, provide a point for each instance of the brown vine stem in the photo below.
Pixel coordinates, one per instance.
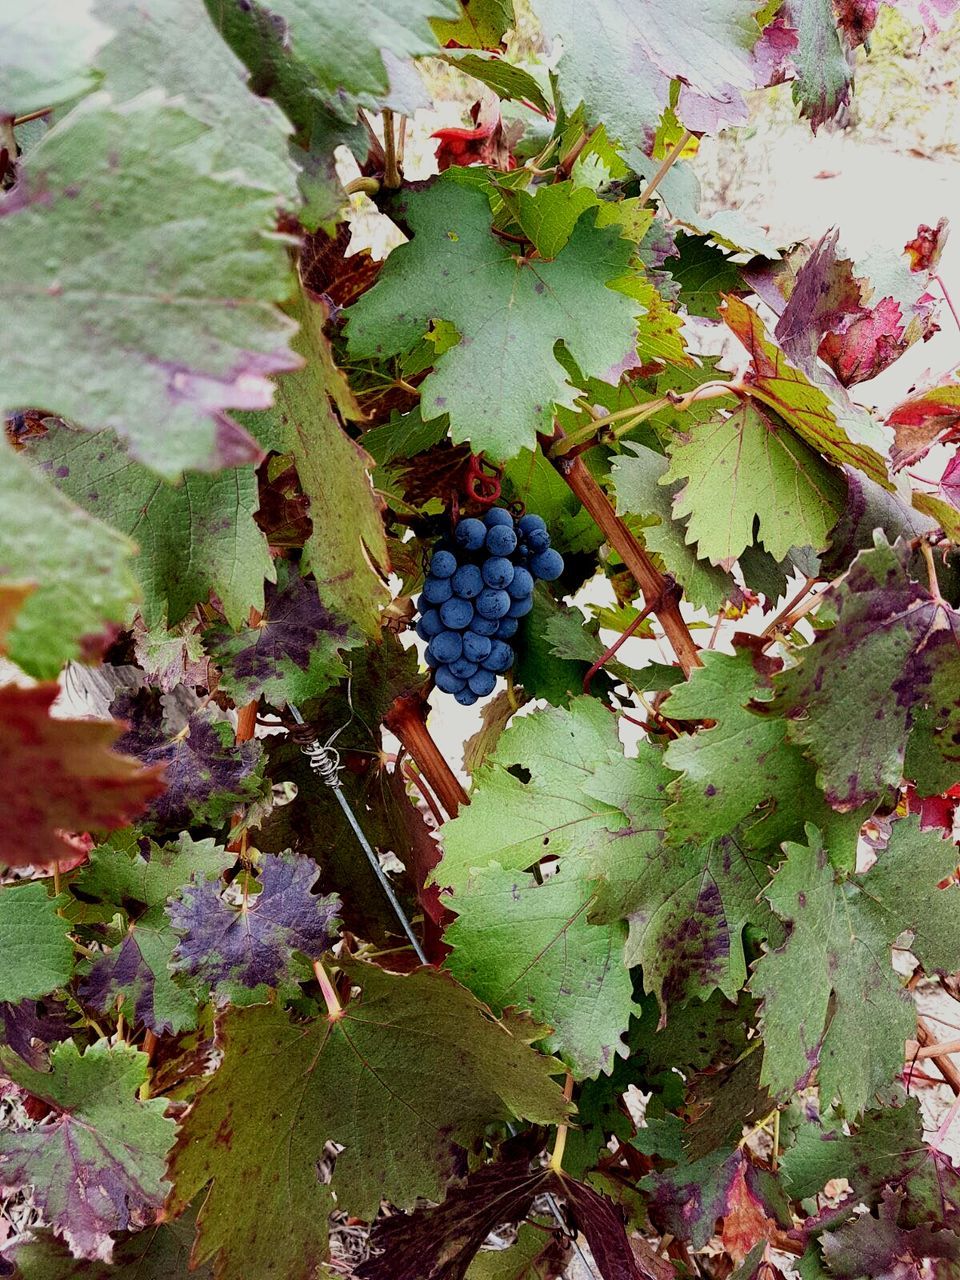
(653, 585)
(792, 611)
(916, 1050)
(391, 170)
(45, 111)
(406, 718)
(927, 1040)
(672, 156)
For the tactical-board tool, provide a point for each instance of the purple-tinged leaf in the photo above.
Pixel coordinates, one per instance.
(885, 1250)
(31, 1025)
(688, 1201)
(134, 978)
(825, 293)
(99, 1165)
(251, 943)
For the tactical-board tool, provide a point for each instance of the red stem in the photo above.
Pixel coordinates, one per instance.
(407, 719)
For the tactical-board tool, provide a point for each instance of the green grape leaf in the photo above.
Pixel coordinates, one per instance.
(177, 47)
(744, 466)
(481, 24)
(48, 54)
(830, 424)
(177, 271)
(293, 652)
(704, 273)
(500, 383)
(852, 699)
(35, 943)
(548, 216)
(743, 771)
(414, 1067)
(831, 1000)
(638, 479)
(100, 1165)
(347, 547)
(195, 538)
(83, 570)
(618, 61)
(351, 48)
(509, 82)
(824, 71)
(543, 666)
(517, 943)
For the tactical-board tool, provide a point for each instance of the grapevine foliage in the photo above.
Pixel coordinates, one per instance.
(265, 503)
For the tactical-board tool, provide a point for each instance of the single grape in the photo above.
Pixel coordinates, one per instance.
(529, 524)
(492, 604)
(470, 534)
(476, 647)
(497, 572)
(507, 628)
(436, 590)
(518, 608)
(500, 657)
(467, 581)
(521, 584)
(466, 697)
(548, 565)
(443, 564)
(482, 683)
(498, 515)
(429, 624)
(448, 682)
(537, 540)
(501, 540)
(447, 646)
(456, 614)
(463, 668)
(484, 626)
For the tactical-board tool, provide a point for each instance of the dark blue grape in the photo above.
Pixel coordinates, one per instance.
(456, 614)
(497, 572)
(548, 565)
(429, 624)
(470, 534)
(518, 608)
(448, 682)
(436, 590)
(482, 683)
(521, 584)
(530, 524)
(501, 540)
(507, 628)
(498, 515)
(537, 540)
(484, 626)
(500, 657)
(466, 697)
(463, 668)
(447, 646)
(476, 647)
(443, 564)
(492, 604)
(467, 581)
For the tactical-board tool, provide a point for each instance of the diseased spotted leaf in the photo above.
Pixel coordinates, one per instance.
(829, 423)
(746, 466)
(34, 941)
(824, 68)
(638, 476)
(99, 1165)
(82, 569)
(688, 1200)
(932, 760)
(347, 549)
(250, 943)
(48, 55)
(832, 1003)
(852, 699)
(195, 538)
(60, 776)
(722, 1102)
(291, 654)
(509, 313)
(519, 943)
(743, 771)
(882, 1247)
(870, 507)
(619, 61)
(120, 217)
(413, 1069)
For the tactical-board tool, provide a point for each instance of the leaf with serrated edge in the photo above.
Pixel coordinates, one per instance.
(148, 255)
(414, 1068)
(34, 941)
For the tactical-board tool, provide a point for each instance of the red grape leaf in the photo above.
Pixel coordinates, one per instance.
(926, 247)
(919, 420)
(61, 776)
(840, 432)
(99, 1165)
(689, 1200)
(251, 944)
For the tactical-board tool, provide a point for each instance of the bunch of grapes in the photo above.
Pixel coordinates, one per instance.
(478, 587)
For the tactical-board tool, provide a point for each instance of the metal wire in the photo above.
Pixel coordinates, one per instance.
(325, 762)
